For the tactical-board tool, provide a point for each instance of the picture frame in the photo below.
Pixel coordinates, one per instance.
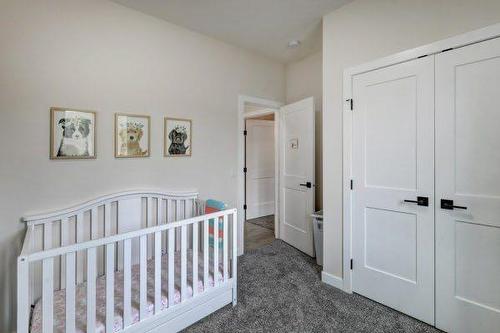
(72, 134)
(177, 137)
(132, 135)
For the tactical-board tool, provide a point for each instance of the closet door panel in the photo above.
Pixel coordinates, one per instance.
(393, 161)
(468, 172)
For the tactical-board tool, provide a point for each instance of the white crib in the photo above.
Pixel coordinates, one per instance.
(135, 261)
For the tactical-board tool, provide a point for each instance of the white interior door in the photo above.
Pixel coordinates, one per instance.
(393, 154)
(260, 168)
(297, 174)
(468, 172)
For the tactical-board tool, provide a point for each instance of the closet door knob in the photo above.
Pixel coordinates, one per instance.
(421, 201)
(448, 204)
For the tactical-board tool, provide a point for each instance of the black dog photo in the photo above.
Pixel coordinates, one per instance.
(177, 137)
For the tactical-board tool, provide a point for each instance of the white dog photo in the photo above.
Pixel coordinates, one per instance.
(73, 134)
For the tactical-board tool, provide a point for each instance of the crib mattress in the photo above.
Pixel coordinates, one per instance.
(81, 296)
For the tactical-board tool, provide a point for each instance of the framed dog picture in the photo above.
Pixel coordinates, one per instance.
(177, 137)
(72, 134)
(132, 135)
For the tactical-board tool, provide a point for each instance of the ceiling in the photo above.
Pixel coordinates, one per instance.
(263, 26)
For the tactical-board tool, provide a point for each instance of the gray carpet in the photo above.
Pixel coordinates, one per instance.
(279, 290)
(264, 221)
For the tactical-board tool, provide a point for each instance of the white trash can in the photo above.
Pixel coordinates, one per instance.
(318, 236)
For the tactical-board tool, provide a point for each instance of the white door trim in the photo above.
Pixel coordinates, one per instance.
(462, 40)
(270, 107)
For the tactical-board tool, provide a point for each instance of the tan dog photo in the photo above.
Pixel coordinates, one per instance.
(130, 133)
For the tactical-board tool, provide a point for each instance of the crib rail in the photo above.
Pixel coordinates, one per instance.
(102, 217)
(37, 219)
(196, 226)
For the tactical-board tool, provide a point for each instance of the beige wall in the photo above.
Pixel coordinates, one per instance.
(362, 31)
(97, 55)
(304, 79)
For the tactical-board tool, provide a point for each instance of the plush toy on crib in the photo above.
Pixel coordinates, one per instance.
(212, 206)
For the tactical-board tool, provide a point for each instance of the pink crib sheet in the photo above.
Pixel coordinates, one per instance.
(81, 296)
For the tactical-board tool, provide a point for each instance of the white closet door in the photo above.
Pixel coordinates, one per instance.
(260, 168)
(393, 161)
(468, 172)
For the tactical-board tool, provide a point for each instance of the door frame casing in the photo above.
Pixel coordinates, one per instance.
(269, 107)
(432, 49)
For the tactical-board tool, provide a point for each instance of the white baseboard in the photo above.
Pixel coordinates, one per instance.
(332, 280)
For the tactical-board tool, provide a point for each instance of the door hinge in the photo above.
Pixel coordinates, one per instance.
(352, 184)
(245, 170)
(351, 264)
(351, 103)
(245, 132)
(245, 207)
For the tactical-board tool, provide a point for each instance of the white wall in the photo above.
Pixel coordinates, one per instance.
(362, 31)
(97, 55)
(304, 79)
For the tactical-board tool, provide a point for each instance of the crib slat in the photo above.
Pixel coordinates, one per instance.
(183, 262)
(94, 220)
(70, 292)
(48, 295)
(91, 289)
(165, 212)
(225, 241)
(110, 287)
(47, 235)
(127, 282)
(107, 219)
(178, 210)
(64, 241)
(234, 246)
(149, 211)
(195, 258)
(79, 227)
(157, 272)
(79, 255)
(171, 273)
(159, 209)
(205, 255)
(168, 205)
(216, 251)
(143, 277)
(178, 218)
(23, 296)
(150, 223)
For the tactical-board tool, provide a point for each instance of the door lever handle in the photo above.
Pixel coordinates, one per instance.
(308, 185)
(448, 204)
(421, 201)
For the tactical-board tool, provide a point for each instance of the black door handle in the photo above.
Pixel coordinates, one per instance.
(448, 204)
(308, 185)
(421, 201)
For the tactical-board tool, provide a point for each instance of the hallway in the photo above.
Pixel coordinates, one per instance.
(259, 232)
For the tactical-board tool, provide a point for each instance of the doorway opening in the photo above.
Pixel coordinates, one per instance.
(260, 177)
(267, 110)
(294, 164)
